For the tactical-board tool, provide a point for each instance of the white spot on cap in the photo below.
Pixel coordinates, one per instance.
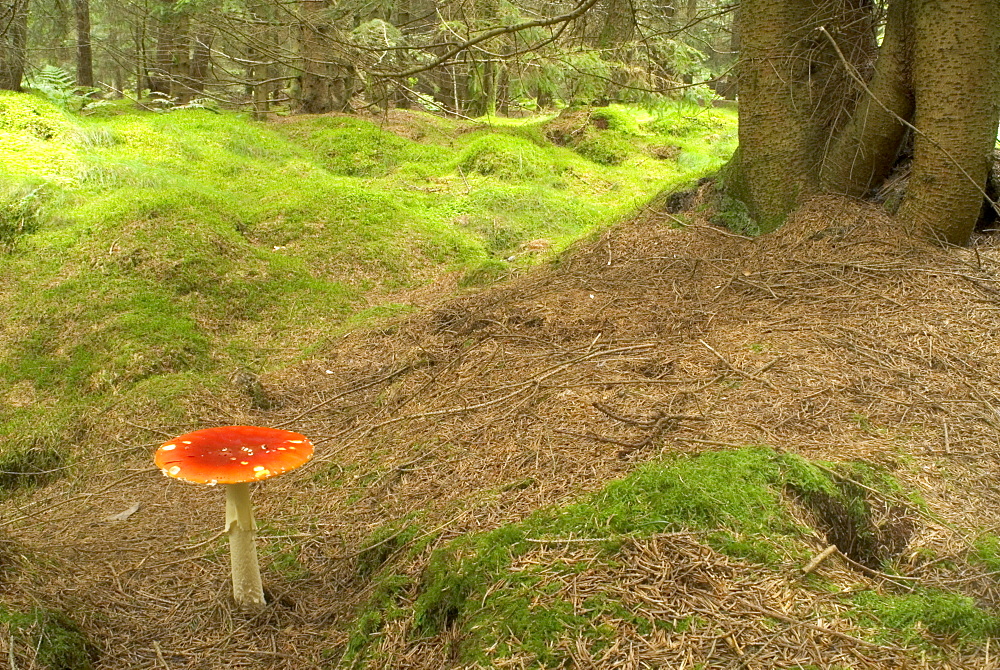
(260, 472)
(185, 441)
(168, 447)
(244, 462)
(295, 441)
(174, 471)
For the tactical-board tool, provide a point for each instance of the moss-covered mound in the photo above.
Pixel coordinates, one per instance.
(612, 136)
(574, 577)
(148, 259)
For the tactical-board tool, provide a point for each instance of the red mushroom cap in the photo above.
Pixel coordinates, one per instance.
(232, 454)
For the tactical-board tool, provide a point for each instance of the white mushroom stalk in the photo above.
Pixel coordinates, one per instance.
(235, 456)
(248, 591)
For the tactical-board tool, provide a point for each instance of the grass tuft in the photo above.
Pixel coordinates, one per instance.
(22, 209)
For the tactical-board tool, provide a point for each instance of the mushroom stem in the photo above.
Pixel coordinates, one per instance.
(247, 588)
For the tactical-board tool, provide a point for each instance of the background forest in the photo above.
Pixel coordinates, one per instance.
(461, 57)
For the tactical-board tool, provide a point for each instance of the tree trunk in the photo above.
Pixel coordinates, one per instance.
(13, 43)
(480, 92)
(142, 74)
(619, 24)
(159, 74)
(956, 86)
(795, 94)
(200, 59)
(774, 165)
(325, 85)
(84, 52)
(691, 12)
(180, 60)
(117, 73)
(864, 152)
(490, 74)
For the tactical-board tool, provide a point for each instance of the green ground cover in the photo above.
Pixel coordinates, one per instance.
(146, 256)
(745, 503)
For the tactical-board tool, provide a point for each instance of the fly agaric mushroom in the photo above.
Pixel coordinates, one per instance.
(236, 456)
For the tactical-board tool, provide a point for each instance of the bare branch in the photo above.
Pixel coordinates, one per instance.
(490, 34)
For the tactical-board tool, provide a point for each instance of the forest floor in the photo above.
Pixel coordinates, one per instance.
(625, 458)
(836, 338)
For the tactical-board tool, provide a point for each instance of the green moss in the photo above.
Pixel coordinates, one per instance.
(739, 492)
(735, 215)
(616, 118)
(29, 115)
(36, 446)
(986, 552)
(504, 157)
(22, 210)
(684, 120)
(26, 155)
(333, 475)
(359, 148)
(90, 337)
(606, 148)
(383, 543)
(515, 214)
(167, 395)
(906, 618)
(397, 542)
(388, 605)
(383, 316)
(49, 639)
(484, 273)
(282, 556)
(737, 498)
(147, 256)
(862, 509)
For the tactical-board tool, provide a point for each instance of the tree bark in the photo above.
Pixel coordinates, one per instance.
(956, 86)
(864, 152)
(795, 95)
(201, 55)
(325, 85)
(84, 51)
(773, 167)
(691, 11)
(180, 59)
(159, 75)
(13, 43)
